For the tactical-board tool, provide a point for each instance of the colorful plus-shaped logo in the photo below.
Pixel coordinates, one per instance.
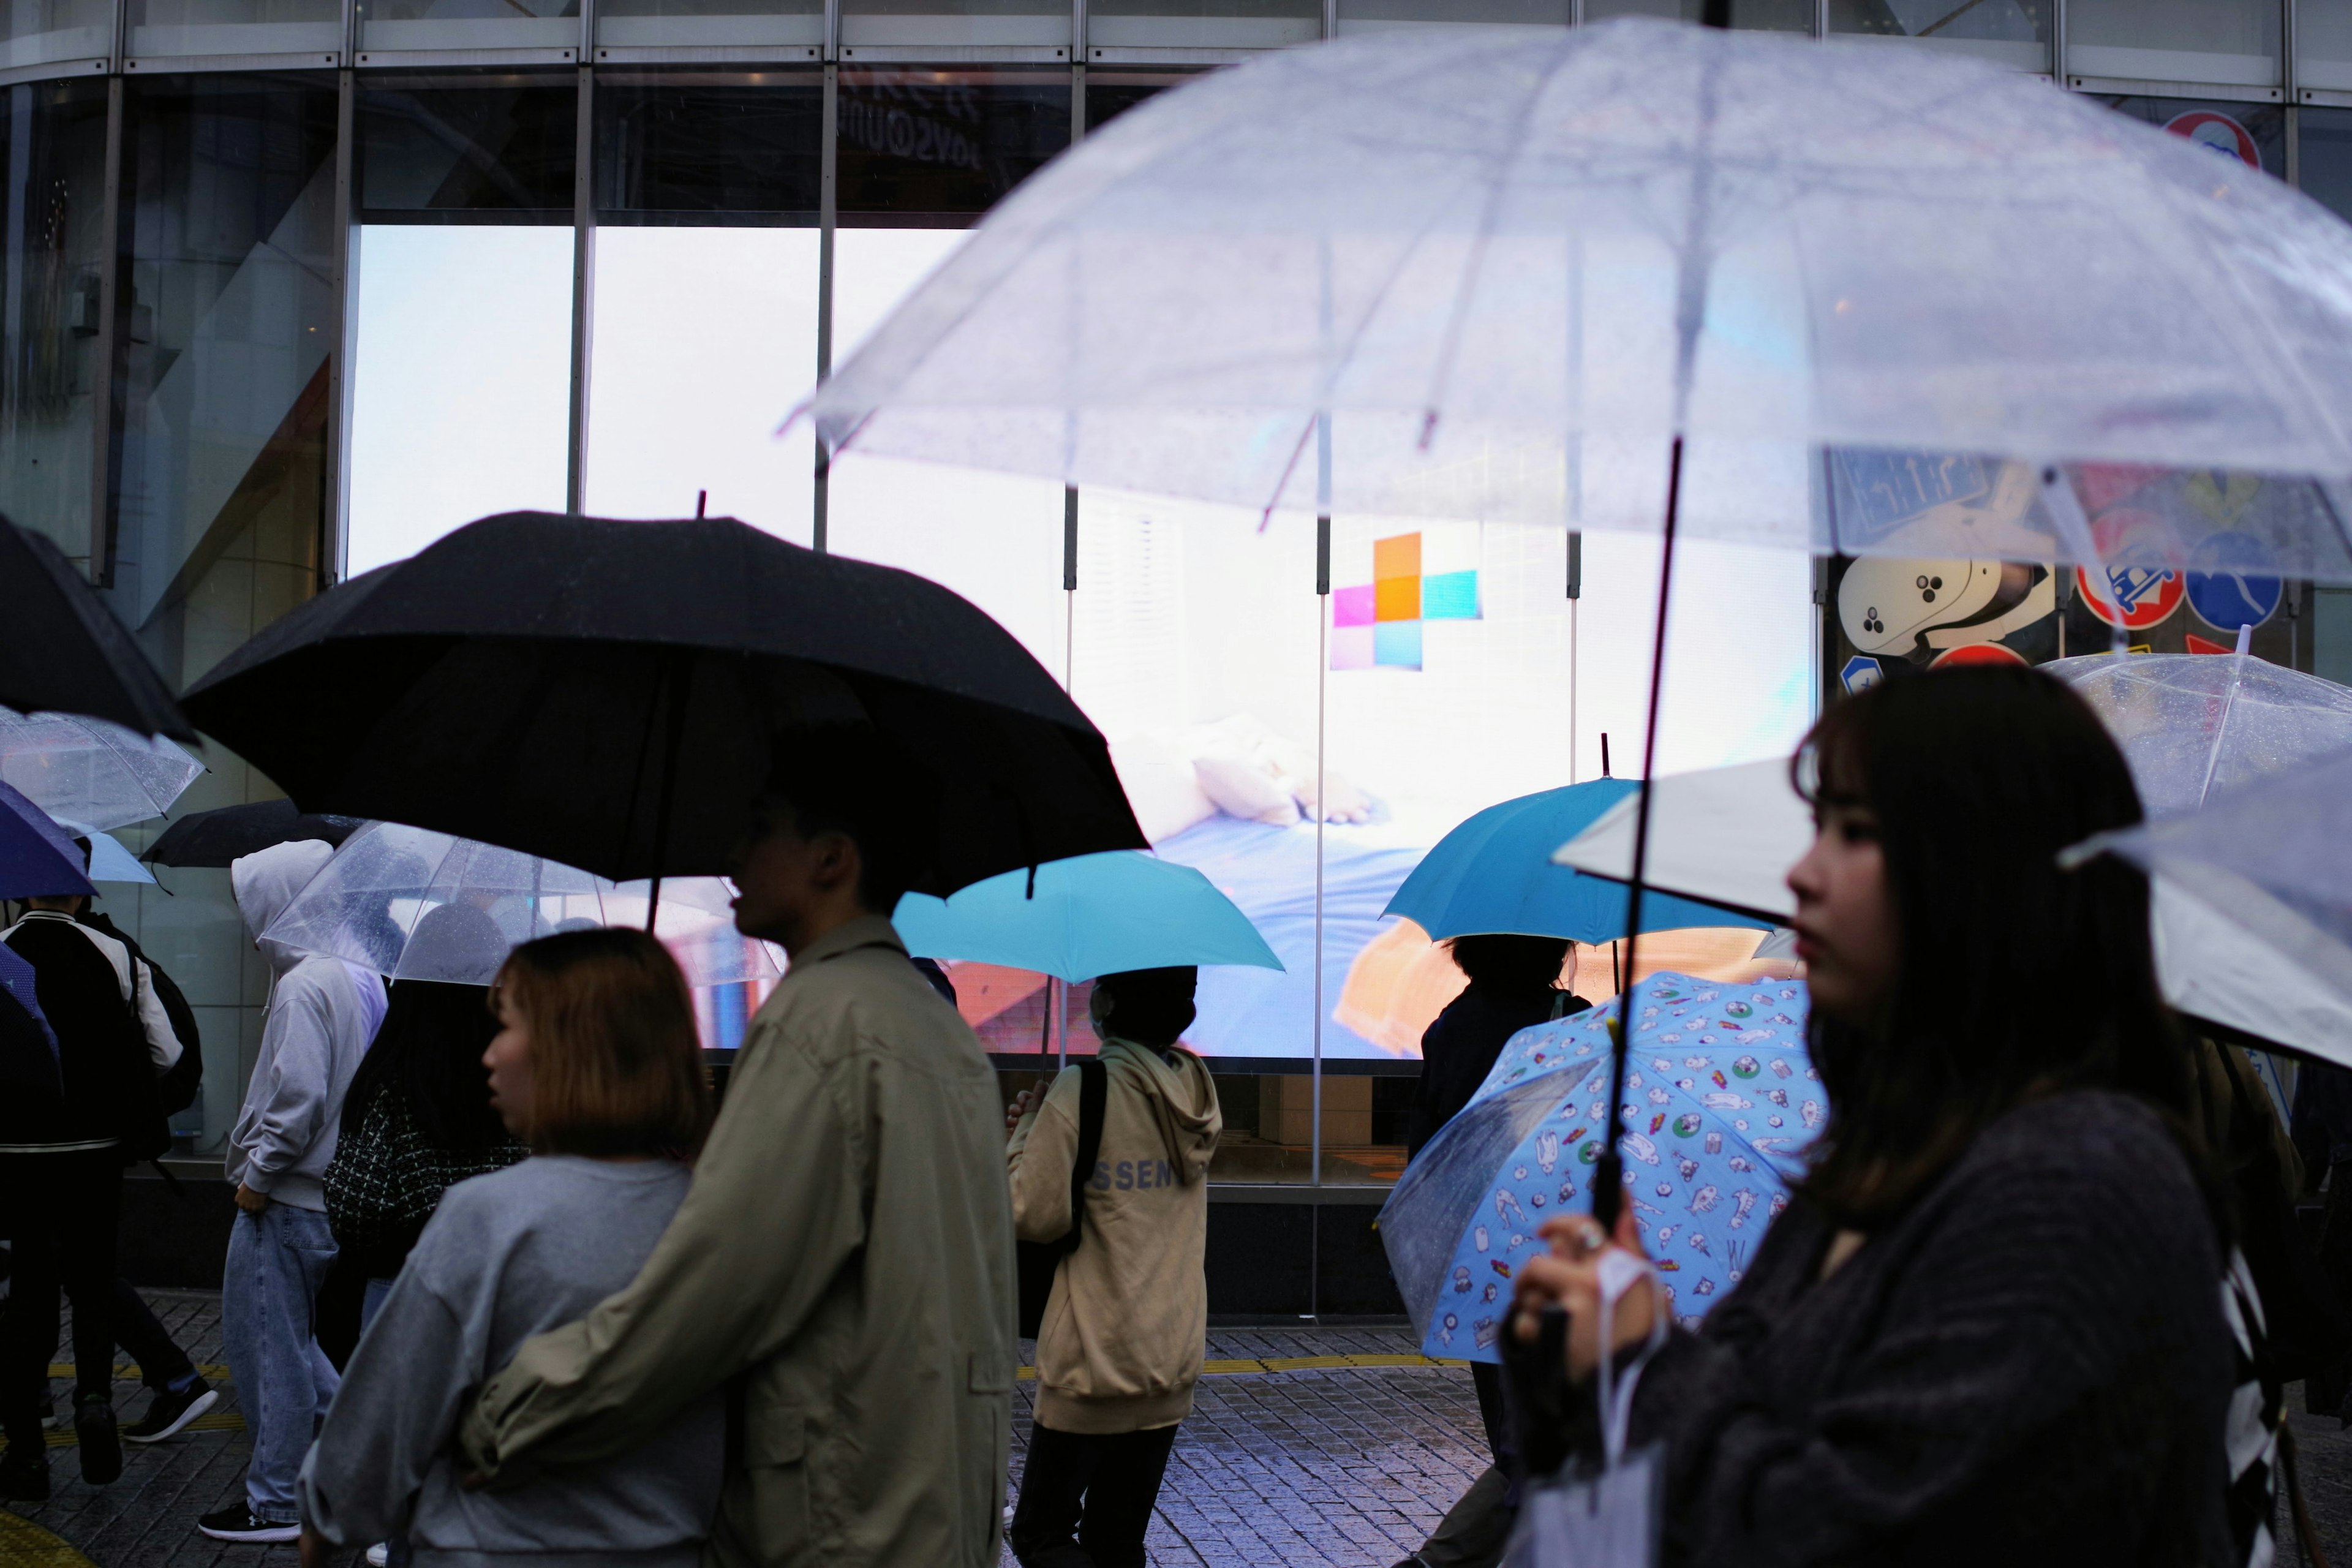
(1379, 625)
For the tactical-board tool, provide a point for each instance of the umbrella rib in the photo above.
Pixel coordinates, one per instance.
(1499, 188)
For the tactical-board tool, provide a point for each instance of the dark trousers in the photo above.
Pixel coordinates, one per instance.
(1488, 1379)
(144, 1338)
(61, 1211)
(1086, 1501)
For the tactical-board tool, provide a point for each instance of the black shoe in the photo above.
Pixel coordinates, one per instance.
(168, 1413)
(24, 1480)
(239, 1522)
(101, 1455)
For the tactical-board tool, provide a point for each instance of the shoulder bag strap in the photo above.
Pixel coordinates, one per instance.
(1093, 1089)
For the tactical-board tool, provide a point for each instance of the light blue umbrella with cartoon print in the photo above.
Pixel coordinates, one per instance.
(1721, 1100)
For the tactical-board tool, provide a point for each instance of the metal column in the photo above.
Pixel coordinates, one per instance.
(583, 275)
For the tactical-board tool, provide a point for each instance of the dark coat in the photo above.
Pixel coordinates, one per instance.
(2029, 1367)
(108, 1078)
(1459, 1049)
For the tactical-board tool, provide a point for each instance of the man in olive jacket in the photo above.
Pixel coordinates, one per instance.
(846, 1247)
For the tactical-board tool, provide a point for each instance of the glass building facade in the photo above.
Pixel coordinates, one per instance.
(291, 288)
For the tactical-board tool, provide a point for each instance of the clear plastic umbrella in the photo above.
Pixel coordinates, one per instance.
(2194, 725)
(1876, 293)
(2271, 863)
(89, 774)
(418, 905)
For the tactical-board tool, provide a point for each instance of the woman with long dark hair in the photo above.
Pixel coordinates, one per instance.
(417, 1119)
(1989, 1326)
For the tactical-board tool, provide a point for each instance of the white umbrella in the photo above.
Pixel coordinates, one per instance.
(414, 904)
(89, 774)
(1506, 272)
(1730, 835)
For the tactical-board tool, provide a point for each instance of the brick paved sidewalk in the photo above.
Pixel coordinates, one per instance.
(1306, 1447)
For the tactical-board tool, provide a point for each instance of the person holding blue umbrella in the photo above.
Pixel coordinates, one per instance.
(1111, 1164)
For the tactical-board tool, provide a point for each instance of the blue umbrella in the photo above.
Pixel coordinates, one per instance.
(1721, 1100)
(1090, 915)
(38, 858)
(1495, 873)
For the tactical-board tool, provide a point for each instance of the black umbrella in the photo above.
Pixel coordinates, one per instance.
(62, 651)
(610, 695)
(228, 833)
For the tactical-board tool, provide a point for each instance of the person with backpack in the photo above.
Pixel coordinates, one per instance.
(417, 1118)
(62, 1156)
(180, 1392)
(1123, 1331)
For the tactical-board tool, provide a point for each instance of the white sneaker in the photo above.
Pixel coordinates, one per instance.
(379, 1554)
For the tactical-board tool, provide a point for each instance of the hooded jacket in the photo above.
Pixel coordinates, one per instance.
(1121, 1344)
(112, 1038)
(322, 1014)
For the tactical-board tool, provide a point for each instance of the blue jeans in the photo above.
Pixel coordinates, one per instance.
(277, 1261)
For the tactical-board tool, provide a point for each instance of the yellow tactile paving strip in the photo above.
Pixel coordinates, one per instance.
(24, 1544)
(1260, 1366)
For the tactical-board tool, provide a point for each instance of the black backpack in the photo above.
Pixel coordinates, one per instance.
(177, 1088)
(1039, 1261)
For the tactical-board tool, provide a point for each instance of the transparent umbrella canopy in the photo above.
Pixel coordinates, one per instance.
(1878, 296)
(2272, 863)
(90, 773)
(414, 904)
(2197, 725)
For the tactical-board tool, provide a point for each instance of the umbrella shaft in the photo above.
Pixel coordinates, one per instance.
(1609, 1186)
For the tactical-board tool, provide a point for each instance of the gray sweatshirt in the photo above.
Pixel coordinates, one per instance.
(322, 1015)
(507, 1255)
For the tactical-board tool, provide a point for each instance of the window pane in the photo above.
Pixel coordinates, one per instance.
(705, 340)
(228, 237)
(472, 147)
(2327, 166)
(53, 147)
(927, 147)
(1375, 16)
(906, 24)
(705, 148)
(1202, 24)
(2007, 32)
(2322, 43)
(161, 27)
(391, 25)
(34, 32)
(2255, 133)
(1762, 15)
(1111, 93)
(230, 204)
(2232, 41)
(623, 24)
(1194, 651)
(464, 353)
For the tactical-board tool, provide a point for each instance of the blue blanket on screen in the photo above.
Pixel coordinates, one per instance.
(1270, 873)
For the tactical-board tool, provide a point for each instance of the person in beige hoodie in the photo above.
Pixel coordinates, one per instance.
(1121, 1344)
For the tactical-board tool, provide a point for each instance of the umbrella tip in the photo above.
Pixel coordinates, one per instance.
(1428, 428)
(701, 500)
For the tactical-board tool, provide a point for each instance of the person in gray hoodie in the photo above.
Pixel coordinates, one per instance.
(1121, 1344)
(322, 1014)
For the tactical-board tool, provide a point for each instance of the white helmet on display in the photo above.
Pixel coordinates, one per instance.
(1887, 605)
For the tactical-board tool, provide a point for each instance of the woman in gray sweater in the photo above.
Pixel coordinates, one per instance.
(597, 1068)
(1989, 1328)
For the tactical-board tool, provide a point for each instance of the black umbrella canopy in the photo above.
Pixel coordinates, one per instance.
(62, 651)
(229, 833)
(611, 694)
